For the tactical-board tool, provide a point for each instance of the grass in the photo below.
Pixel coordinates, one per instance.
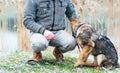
(16, 62)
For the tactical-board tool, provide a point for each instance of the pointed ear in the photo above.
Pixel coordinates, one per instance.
(74, 22)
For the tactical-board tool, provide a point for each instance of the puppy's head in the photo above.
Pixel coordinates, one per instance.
(74, 23)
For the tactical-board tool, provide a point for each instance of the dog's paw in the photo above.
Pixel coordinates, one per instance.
(98, 68)
(76, 64)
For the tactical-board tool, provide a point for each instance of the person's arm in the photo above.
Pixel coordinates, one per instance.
(70, 11)
(30, 16)
(29, 20)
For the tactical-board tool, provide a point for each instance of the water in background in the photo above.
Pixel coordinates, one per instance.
(8, 41)
(13, 35)
(104, 16)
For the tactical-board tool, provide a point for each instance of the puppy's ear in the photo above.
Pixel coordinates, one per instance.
(74, 22)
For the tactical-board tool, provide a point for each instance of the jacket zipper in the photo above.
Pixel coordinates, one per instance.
(53, 14)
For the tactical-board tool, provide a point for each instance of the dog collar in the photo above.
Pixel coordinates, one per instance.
(76, 29)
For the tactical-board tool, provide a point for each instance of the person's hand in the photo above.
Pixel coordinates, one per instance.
(49, 35)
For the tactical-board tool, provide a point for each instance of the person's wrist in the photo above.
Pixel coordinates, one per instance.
(44, 32)
(41, 31)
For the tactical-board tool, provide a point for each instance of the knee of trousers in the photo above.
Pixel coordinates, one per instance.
(38, 43)
(68, 46)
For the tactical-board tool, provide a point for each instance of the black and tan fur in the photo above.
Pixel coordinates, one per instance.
(103, 50)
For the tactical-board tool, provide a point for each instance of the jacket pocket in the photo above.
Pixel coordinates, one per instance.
(43, 7)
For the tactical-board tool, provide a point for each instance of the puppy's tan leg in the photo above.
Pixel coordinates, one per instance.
(84, 53)
(91, 64)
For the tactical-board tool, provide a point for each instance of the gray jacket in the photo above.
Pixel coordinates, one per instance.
(40, 15)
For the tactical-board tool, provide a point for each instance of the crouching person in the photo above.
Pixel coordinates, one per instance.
(46, 22)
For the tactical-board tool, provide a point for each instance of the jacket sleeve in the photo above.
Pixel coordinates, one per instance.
(70, 11)
(30, 16)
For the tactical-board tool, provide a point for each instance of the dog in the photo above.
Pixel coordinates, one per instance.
(92, 42)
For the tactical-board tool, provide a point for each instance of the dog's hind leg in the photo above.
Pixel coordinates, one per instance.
(100, 59)
(84, 53)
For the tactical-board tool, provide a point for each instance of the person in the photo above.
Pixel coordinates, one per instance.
(46, 21)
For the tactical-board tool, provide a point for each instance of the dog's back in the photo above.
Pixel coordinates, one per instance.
(103, 45)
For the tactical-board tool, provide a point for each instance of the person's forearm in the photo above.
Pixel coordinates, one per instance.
(29, 17)
(70, 12)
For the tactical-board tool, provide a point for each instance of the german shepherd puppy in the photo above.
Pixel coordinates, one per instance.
(91, 42)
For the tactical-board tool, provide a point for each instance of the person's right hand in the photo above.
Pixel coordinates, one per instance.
(49, 35)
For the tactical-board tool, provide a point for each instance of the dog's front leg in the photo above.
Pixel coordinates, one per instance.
(92, 64)
(84, 53)
(83, 56)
